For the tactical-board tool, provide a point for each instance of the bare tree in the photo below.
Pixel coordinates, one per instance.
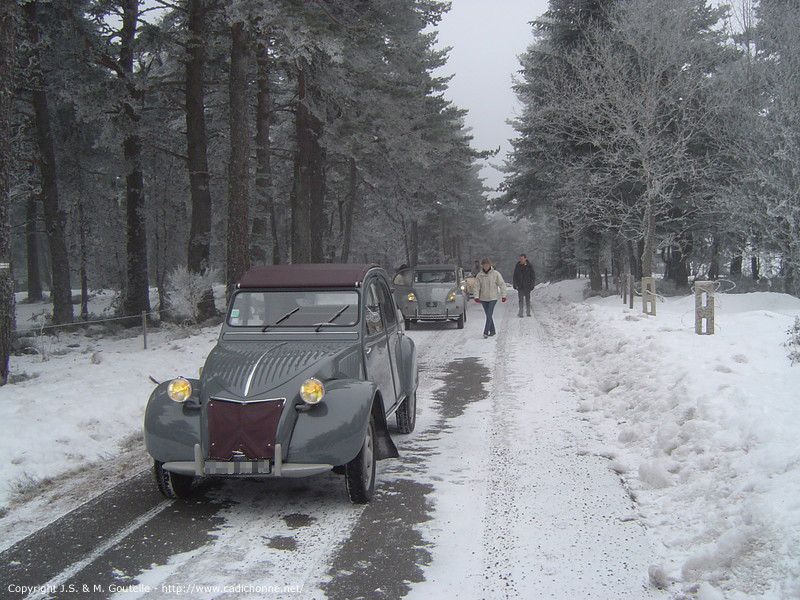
(635, 97)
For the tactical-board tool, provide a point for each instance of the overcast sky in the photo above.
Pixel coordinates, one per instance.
(486, 39)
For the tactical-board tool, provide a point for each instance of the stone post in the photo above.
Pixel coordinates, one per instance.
(704, 307)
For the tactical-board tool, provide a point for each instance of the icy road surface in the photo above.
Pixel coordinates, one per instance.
(497, 494)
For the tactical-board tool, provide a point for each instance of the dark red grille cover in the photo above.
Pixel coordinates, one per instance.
(248, 427)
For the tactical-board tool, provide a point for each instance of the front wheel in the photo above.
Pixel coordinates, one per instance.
(460, 321)
(359, 473)
(406, 414)
(408, 324)
(172, 485)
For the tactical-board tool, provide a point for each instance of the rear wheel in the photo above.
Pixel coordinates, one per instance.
(359, 473)
(172, 485)
(406, 414)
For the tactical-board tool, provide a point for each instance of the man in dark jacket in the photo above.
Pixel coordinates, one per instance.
(524, 280)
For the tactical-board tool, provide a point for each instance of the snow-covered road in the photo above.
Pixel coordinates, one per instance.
(497, 494)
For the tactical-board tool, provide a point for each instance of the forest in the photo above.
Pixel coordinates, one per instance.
(662, 138)
(190, 139)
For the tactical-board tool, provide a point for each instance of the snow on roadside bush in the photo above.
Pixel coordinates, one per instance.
(185, 290)
(703, 429)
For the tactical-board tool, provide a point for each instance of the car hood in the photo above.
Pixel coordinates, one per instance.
(252, 369)
(435, 292)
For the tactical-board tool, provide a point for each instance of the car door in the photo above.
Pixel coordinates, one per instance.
(377, 356)
(394, 335)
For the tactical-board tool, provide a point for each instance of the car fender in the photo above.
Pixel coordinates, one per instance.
(171, 429)
(332, 432)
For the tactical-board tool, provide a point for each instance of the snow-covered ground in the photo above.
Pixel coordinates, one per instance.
(703, 430)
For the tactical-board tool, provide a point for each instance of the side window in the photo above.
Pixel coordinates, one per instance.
(387, 307)
(372, 310)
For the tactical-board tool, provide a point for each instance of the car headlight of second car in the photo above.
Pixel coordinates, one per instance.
(312, 391)
(411, 297)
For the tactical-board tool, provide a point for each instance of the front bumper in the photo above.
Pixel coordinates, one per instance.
(416, 315)
(201, 467)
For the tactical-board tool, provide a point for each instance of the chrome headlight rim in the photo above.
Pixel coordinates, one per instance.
(179, 390)
(312, 391)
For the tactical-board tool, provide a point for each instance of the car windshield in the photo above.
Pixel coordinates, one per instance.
(306, 308)
(434, 277)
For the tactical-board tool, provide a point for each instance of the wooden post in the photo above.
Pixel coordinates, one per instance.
(704, 307)
(144, 328)
(624, 289)
(631, 290)
(649, 295)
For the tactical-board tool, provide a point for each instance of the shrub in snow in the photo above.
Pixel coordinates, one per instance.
(186, 289)
(793, 343)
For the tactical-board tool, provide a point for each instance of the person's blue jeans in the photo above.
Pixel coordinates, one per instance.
(488, 308)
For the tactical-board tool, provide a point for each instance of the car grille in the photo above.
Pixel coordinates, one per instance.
(243, 429)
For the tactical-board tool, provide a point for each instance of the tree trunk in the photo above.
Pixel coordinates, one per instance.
(414, 243)
(7, 66)
(308, 209)
(238, 172)
(32, 248)
(318, 193)
(198, 258)
(84, 260)
(713, 267)
(265, 202)
(649, 239)
(349, 209)
(137, 293)
(301, 198)
(736, 266)
(55, 219)
(595, 276)
(755, 268)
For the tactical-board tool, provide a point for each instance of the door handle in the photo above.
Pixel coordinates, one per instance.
(368, 351)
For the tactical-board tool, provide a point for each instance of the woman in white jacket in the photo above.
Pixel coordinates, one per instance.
(488, 286)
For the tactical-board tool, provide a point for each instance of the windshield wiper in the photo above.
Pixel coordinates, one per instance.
(332, 319)
(283, 318)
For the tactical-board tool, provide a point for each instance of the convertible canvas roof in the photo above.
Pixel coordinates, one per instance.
(434, 267)
(305, 275)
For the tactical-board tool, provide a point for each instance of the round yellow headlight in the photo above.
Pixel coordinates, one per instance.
(179, 389)
(451, 296)
(312, 391)
(412, 297)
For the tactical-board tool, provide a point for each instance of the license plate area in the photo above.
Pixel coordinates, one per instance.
(431, 304)
(237, 467)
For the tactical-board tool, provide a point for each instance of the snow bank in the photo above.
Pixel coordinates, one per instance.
(704, 430)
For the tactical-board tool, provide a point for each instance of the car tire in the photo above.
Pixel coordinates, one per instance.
(359, 473)
(406, 414)
(172, 485)
(408, 324)
(460, 321)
